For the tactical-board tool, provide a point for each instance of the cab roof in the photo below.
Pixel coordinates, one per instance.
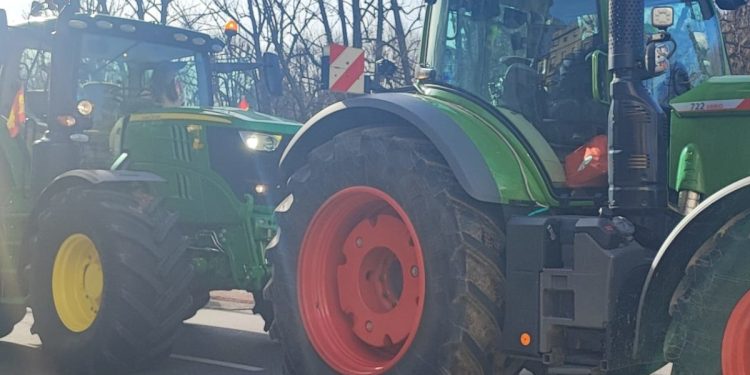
(125, 28)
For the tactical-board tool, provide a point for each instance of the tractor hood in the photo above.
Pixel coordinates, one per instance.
(220, 116)
(709, 132)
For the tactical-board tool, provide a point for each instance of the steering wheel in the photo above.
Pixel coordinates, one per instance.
(510, 60)
(495, 88)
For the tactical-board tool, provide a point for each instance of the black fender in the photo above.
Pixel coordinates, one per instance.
(401, 109)
(93, 177)
(70, 179)
(673, 257)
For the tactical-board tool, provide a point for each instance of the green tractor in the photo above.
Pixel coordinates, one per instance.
(125, 197)
(563, 191)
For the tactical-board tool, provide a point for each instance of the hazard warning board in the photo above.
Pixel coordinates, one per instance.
(347, 69)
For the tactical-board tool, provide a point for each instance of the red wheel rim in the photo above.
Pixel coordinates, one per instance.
(735, 347)
(361, 281)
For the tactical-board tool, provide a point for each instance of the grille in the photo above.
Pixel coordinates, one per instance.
(242, 168)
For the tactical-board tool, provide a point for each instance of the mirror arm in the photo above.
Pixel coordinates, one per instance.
(235, 67)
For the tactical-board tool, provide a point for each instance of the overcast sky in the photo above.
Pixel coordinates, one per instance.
(16, 9)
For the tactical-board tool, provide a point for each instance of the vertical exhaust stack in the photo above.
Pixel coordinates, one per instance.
(637, 125)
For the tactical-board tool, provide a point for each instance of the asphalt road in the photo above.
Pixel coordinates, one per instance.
(214, 342)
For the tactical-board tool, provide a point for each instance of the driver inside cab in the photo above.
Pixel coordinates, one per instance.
(165, 88)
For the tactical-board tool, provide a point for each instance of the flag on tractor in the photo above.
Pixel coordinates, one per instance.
(17, 116)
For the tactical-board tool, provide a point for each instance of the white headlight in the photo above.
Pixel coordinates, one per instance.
(85, 107)
(261, 141)
(252, 142)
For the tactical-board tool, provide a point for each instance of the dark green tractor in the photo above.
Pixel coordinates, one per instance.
(125, 196)
(565, 189)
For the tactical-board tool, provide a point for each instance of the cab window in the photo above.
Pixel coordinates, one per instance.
(534, 58)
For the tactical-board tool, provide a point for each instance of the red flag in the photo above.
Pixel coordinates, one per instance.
(17, 116)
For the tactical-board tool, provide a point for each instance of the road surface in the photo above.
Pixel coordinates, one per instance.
(216, 341)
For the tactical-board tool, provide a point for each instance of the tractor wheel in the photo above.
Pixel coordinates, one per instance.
(9, 316)
(710, 329)
(385, 264)
(110, 280)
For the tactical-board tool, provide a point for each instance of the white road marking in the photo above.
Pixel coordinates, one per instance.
(206, 361)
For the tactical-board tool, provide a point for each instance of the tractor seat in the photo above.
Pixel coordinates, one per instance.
(523, 93)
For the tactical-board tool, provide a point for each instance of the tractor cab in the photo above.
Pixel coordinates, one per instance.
(104, 68)
(547, 61)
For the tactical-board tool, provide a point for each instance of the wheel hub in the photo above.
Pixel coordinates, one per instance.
(361, 281)
(735, 347)
(77, 282)
(373, 288)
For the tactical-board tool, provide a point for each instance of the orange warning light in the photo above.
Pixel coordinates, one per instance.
(525, 339)
(231, 28)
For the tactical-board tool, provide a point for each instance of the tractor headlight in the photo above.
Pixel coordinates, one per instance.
(261, 141)
(85, 107)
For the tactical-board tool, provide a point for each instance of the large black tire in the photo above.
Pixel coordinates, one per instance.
(9, 314)
(200, 300)
(146, 278)
(715, 280)
(462, 241)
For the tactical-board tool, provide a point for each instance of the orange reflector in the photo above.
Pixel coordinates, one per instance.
(525, 339)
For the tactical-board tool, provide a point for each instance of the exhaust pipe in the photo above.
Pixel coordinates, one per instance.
(637, 127)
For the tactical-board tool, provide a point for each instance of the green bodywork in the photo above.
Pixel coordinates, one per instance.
(227, 229)
(527, 171)
(515, 173)
(708, 149)
(172, 144)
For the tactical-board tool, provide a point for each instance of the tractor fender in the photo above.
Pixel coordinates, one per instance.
(93, 177)
(668, 267)
(462, 155)
(67, 180)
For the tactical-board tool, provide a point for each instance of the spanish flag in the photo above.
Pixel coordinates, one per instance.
(17, 116)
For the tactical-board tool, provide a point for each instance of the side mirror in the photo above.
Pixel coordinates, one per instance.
(272, 74)
(730, 4)
(658, 53)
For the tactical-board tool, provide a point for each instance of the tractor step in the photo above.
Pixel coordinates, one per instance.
(570, 269)
(572, 370)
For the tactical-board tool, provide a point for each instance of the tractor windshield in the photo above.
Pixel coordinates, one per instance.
(120, 76)
(546, 59)
(533, 57)
(138, 74)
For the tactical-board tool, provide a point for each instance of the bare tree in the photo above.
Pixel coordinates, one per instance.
(380, 9)
(356, 24)
(736, 28)
(164, 11)
(324, 21)
(342, 21)
(401, 38)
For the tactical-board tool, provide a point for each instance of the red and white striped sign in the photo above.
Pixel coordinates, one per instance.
(347, 69)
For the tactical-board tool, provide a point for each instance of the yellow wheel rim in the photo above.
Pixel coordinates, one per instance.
(77, 282)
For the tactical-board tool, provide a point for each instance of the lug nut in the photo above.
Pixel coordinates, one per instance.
(359, 242)
(368, 326)
(414, 271)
